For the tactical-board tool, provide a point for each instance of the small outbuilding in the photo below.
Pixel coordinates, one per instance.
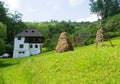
(28, 42)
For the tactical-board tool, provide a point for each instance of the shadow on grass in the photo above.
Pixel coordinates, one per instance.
(4, 64)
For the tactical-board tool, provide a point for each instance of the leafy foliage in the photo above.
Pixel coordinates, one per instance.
(105, 8)
(2, 46)
(52, 30)
(3, 37)
(12, 22)
(3, 13)
(3, 33)
(111, 27)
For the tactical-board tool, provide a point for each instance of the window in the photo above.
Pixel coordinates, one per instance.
(21, 46)
(19, 38)
(33, 31)
(31, 46)
(26, 31)
(21, 52)
(36, 46)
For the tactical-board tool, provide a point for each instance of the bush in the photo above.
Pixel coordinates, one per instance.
(9, 49)
(49, 44)
(44, 49)
(89, 41)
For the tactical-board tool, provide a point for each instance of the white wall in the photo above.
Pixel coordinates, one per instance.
(17, 48)
(34, 50)
(17, 54)
(18, 42)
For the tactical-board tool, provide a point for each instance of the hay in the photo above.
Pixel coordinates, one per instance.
(64, 44)
(99, 35)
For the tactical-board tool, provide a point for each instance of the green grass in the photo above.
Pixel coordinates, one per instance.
(84, 65)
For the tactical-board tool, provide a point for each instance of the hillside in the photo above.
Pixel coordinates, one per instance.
(84, 65)
(110, 25)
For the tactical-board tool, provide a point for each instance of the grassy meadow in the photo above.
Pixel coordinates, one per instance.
(84, 65)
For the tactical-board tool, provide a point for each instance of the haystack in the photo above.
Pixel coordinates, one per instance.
(99, 35)
(64, 43)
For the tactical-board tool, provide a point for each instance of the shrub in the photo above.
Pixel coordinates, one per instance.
(9, 49)
(44, 49)
(89, 41)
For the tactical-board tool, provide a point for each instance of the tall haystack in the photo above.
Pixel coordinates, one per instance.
(99, 36)
(64, 43)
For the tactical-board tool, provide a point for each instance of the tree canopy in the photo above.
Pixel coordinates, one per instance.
(9, 25)
(105, 8)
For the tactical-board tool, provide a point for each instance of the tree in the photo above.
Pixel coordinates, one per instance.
(2, 38)
(3, 13)
(12, 21)
(2, 46)
(14, 25)
(105, 8)
(3, 34)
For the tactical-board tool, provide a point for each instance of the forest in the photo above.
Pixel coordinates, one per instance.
(11, 24)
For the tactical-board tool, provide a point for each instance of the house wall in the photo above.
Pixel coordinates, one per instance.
(26, 50)
(18, 42)
(17, 54)
(35, 50)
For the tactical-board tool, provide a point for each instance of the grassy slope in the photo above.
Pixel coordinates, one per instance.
(84, 65)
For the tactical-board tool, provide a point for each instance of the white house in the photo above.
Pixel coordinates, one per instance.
(28, 42)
